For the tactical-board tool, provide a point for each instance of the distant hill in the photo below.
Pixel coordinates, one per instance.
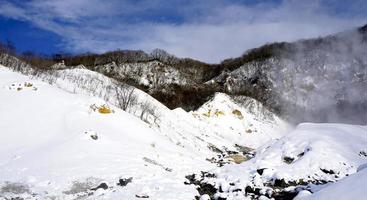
(322, 79)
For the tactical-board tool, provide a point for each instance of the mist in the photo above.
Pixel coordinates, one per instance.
(314, 80)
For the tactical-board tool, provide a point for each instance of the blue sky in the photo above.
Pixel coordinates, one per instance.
(208, 30)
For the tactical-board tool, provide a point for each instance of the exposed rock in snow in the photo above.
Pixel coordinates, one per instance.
(316, 154)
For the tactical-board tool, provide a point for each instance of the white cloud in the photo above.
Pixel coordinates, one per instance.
(210, 30)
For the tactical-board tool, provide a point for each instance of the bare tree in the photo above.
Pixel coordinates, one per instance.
(126, 97)
(148, 111)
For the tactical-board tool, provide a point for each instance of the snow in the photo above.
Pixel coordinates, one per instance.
(246, 123)
(151, 74)
(46, 146)
(54, 143)
(352, 187)
(57, 144)
(316, 153)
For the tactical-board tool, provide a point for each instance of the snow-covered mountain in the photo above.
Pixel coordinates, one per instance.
(61, 143)
(319, 80)
(128, 125)
(300, 80)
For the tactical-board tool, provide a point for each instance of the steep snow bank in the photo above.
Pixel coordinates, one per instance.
(312, 153)
(352, 187)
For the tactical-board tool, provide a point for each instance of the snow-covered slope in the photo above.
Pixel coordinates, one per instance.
(352, 187)
(311, 154)
(47, 147)
(245, 121)
(63, 136)
(57, 142)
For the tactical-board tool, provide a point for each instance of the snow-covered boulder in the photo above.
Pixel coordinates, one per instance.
(312, 154)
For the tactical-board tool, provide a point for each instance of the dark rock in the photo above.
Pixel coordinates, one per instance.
(260, 171)
(215, 149)
(249, 189)
(191, 180)
(288, 160)
(285, 195)
(237, 190)
(363, 153)
(208, 175)
(141, 196)
(124, 181)
(327, 171)
(94, 137)
(206, 188)
(280, 183)
(257, 191)
(168, 169)
(102, 185)
(301, 154)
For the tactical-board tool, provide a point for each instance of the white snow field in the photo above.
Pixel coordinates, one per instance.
(46, 148)
(54, 143)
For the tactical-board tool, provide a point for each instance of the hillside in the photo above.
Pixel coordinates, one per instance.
(66, 139)
(63, 140)
(308, 80)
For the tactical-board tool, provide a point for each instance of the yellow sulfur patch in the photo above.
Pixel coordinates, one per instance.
(237, 158)
(238, 114)
(104, 109)
(218, 113)
(207, 114)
